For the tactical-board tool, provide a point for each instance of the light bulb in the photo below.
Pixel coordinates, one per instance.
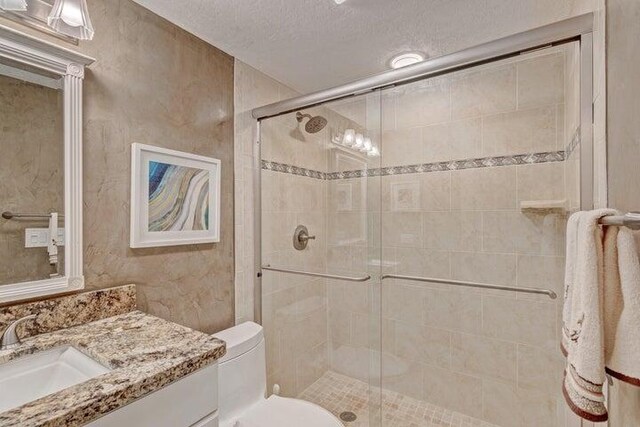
(349, 137)
(367, 144)
(359, 141)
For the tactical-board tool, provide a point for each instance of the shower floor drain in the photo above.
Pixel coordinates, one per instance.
(348, 416)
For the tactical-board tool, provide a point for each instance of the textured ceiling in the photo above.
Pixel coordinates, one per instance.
(315, 44)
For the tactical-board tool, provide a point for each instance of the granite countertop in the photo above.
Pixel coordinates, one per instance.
(144, 352)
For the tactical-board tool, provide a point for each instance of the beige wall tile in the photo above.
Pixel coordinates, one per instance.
(540, 369)
(436, 191)
(310, 366)
(401, 302)
(460, 139)
(417, 343)
(422, 262)
(495, 269)
(485, 188)
(520, 132)
(347, 228)
(505, 404)
(455, 231)
(541, 272)
(402, 229)
(423, 103)
(500, 403)
(529, 233)
(520, 321)
(401, 147)
(484, 357)
(488, 91)
(541, 81)
(407, 382)
(543, 181)
(455, 310)
(339, 322)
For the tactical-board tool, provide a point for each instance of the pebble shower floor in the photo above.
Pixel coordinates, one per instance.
(338, 393)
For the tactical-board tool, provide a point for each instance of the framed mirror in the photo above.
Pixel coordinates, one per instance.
(40, 167)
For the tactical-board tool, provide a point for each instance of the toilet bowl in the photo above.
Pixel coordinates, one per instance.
(242, 385)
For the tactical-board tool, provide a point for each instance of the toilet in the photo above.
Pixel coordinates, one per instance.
(242, 386)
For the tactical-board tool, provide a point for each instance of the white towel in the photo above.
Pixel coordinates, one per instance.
(583, 322)
(622, 305)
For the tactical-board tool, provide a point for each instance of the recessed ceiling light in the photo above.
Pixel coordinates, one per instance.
(339, 1)
(405, 59)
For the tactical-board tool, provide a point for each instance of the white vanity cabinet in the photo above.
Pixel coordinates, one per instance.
(189, 402)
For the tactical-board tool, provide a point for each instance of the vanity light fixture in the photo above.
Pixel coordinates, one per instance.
(356, 142)
(71, 17)
(406, 59)
(13, 5)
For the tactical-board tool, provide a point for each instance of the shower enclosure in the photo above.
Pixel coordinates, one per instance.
(426, 286)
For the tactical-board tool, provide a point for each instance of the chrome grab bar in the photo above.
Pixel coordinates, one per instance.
(308, 273)
(546, 292)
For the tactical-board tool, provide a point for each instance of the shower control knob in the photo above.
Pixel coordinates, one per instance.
(301, 237)
(304, 237)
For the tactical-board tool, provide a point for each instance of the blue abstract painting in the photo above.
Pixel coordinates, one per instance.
(178, 198)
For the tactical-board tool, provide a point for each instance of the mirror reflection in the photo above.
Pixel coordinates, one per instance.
(31, 174)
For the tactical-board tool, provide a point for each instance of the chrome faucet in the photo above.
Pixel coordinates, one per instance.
(9, 337)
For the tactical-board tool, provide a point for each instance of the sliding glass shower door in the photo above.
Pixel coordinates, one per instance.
(413, 246)
(321, 295)
(480, 170)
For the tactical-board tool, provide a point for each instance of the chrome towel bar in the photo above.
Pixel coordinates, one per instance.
(546, 292)
(630, 220)
(12, 215)
(308, 273)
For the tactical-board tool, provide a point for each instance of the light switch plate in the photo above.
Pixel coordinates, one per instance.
(39, 237)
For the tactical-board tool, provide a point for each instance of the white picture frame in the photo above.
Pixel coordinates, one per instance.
(157, 220)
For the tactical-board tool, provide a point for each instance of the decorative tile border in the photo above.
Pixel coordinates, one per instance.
(483, 162)
(294, 170)
(573, 144)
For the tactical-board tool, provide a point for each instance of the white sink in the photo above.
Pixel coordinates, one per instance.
(34, 376)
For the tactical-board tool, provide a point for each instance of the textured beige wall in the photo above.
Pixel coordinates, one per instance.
(623, 82)
(31, 173)
(623, 128)
(154, 83)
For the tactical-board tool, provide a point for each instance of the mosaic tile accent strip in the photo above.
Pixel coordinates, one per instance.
(294, 170)
(482, 162)
(338, 393)
(573, 144)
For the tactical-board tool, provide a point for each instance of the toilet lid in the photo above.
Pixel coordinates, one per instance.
(279, 411)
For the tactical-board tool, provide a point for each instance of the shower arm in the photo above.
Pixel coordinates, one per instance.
(300, 117)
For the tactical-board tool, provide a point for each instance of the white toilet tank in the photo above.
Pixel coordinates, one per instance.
(242, 377)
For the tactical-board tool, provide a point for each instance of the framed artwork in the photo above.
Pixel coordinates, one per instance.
(175, 198)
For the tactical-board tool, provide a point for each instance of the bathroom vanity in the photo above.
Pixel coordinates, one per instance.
(125, 368)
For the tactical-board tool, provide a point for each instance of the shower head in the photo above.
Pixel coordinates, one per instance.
(315, 123)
